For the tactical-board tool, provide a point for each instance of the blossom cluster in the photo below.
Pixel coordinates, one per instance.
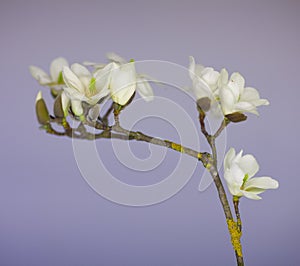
(218, 90)
(81, 88)
(81, 91)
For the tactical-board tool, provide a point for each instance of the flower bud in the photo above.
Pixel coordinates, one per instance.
(236, 117)
(57, 107)
(204, 104)
(41, 110)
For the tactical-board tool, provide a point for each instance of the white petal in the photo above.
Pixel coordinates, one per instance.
(234, 188)
(71, 80)
(237, 81)
(74, 94)
(123, 83)
(56, 67)
(227, 100)
(202, 89)
(211, 77)
(249, 165)
(39, 96)
(245, 107)
(103, 77)
(237, 174)
(115, 58)
(83, 74)
(40, 75)
(261, 102)
(251, 195)
(238, 157)
(249, 94)
(144, 89)
(264, 182)
(80, 70)
(223, 78)
(76, 107)
(93, 64)
(228, 158)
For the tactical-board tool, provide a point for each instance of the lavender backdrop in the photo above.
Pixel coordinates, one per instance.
(50, 216)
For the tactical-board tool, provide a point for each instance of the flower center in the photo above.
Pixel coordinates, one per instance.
(246, 177)
(92, 88)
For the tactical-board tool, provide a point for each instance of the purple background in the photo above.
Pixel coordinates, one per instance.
(50, 216)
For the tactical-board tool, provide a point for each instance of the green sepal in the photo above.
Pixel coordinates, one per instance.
(54, 92)
(57, 107)
(42, 112)
(236, 117)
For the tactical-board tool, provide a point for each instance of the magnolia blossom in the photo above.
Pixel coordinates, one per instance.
(234, 97)
(82, 86)
(239, 171)
(123, 79)
(55, 77)
(205, 80)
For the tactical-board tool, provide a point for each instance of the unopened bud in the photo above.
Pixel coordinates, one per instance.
(204, 104)
(57, 107)
(41, 110)
(236, 117)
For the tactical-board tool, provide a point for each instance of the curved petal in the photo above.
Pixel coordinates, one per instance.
(123, 83)
(234, 188)
(251, 195)
(264, 182)
(261, 102)
(249, 95)
(72, 81)
(103, 77)
(144, 89)
(40, 75)
(245, 107)
(237, 83)
(229, 158)
(223, 78)
(202, 89)
(74, 94)
(238, 157)
(249, 165)
(211, 77)
(227, 100)
(113, 57)
(83, 74)
(76, 107)
(56, 67)
(80, 70)
(237, 174)
(93, 64)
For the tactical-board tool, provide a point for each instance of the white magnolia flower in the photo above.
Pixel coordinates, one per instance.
(82, 86)
(205, 80)
(55, 77)
(239, 171)
(234, 97)
(123, 79)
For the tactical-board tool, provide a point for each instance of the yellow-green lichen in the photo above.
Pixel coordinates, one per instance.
(235, 234)
(177, 147)
(208, 166)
